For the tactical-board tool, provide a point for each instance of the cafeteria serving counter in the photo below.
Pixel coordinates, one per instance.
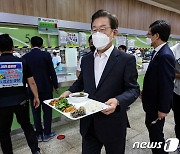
(66, 78)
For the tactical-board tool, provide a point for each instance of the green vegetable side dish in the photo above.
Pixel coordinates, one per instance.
(62, 104)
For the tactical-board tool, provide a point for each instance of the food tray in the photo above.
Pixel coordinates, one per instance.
(101, 106)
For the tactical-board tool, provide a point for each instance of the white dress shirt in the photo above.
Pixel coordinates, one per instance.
(176, 51)
(79, 64)
(157, 49)
(100, 62)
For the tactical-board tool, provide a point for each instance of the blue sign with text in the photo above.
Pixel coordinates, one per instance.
(11, 74)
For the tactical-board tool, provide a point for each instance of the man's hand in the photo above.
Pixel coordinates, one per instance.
(65, 94)
(57, 90)
(113, 102)
(161, 115)
(36, 102)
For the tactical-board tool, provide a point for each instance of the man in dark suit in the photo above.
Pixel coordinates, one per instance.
(13, 96)
(158, 82)
(108, 76)
(45, 77)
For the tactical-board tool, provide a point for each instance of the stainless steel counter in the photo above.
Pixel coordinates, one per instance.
(66, 78)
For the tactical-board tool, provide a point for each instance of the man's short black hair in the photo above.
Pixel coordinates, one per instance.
(6, 43)
(103, 13)
(123, 47)
(36, 41)
(162, 28)
(89, 39)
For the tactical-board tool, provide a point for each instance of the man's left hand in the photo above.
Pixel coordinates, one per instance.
(36, 102)
(112, 103)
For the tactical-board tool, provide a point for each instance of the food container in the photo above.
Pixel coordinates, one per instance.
(78, 97)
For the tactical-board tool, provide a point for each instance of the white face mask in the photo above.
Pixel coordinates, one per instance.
(100, 40)
(139, 55)
(148, 41)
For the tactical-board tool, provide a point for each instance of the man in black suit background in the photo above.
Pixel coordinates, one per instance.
(158, 84)
(45, 77)
(108, 76)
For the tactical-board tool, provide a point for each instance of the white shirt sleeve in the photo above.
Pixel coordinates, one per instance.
(79, 64)
(59, 59)
(176, 50)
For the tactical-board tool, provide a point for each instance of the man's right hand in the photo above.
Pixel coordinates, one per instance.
(65, 94)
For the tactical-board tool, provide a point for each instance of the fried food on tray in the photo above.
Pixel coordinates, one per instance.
(70, 109)
(53, 102)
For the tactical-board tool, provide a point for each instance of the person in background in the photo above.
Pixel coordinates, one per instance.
(41, 65)
(108, 76)
(138, 57)
(176, 95)
(92, 49)
(157, 94)
(14, 74)
(122, 48)
(129, 52)
(56, 61)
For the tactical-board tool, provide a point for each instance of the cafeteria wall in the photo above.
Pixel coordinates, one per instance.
(22, 33)
(131, 13)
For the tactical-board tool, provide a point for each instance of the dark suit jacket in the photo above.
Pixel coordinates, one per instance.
(119, 80)
(159, 82)
(43, 71)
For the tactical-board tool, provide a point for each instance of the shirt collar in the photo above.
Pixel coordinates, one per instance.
(107, 52)
(35, 48)
(159, 47)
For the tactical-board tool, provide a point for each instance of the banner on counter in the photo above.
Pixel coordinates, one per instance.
(120, 40)
(11, 74)
(68, 39)
(72, 39)
(47, 26)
